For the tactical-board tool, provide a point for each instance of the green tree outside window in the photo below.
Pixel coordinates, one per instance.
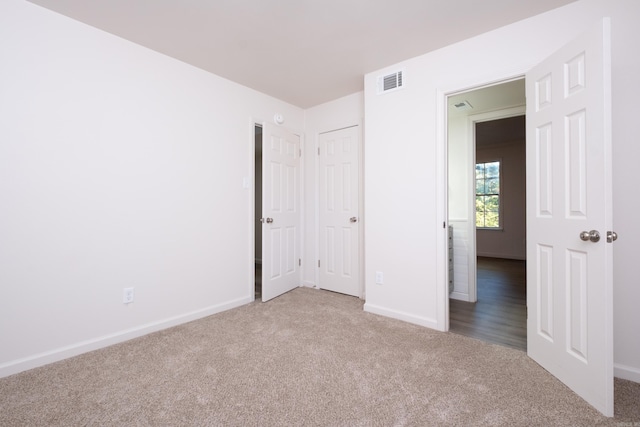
(488, 195)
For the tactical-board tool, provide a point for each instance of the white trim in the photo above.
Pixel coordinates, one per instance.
(361, 216)
(316, 211)
(502, 113)
(400, 315)
(459, 296)
(30, 362)
(442, 213)
(502, 256)
(301, 196)
(626, 372)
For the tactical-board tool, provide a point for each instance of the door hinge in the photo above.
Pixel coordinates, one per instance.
(318, 151)
(444, 224)
(300, 151)
(318, 263)
(299, 261)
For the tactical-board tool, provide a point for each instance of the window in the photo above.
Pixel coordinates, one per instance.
(488, 195)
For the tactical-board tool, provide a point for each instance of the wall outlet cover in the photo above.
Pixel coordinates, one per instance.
(379, 278)
(127, 295)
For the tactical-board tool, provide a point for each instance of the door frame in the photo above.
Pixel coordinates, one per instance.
(361, 216)
(251, 176)
(442, 184)
(472, 120)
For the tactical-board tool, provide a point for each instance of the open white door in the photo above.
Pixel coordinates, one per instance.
(569, 295)
(280, 211)
(339, 221)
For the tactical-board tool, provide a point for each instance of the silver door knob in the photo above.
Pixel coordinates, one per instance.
(270, 220)
(592, 236)
(612, 236)
(353, 219)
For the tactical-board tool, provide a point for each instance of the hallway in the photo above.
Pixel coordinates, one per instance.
(500, 314)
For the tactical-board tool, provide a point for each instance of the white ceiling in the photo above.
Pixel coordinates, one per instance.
(490, 98)
(304, 52)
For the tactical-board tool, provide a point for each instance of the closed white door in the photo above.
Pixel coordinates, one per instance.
(569, 296)
(339, 211)
(280, 211)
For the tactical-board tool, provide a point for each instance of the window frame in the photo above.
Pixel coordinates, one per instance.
(500, 226)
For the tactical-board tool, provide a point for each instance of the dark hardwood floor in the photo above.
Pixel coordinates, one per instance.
(258, 287)
(500, 314)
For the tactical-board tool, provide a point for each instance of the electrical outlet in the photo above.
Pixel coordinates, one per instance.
(379, 277)
(127, 295)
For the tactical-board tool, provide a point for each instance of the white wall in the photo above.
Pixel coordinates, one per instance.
(460, 160)
(118, 167)
(337, 114)
(402, 198)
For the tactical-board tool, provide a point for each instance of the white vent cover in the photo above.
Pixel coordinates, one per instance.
(390, 82)
(463, 105)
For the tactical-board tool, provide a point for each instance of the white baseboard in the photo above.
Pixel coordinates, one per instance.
(626, 372)
(459, 296)
(501, 256)
(406, 317)
(30, 362)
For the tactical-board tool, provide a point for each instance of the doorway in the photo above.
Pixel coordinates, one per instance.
(568, 155)
(258, 211)
(487, 213)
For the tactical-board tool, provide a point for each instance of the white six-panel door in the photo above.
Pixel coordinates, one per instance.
(569, 279)
(339, 221)
(280, 211)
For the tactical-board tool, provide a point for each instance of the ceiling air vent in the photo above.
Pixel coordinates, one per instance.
(390, 82)
(463, 105)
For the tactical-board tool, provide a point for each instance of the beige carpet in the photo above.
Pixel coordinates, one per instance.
(306, 358)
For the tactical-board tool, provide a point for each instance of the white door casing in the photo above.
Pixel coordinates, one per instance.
(569, 295)
(339, 220)
(280, 211)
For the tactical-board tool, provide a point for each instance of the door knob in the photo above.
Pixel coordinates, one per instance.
(270, 220)
(612, 236)
(593, 236)
(353, 219)
(267, 220)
